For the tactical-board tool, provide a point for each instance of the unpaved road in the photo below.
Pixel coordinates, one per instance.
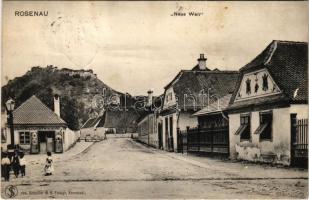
(123, 168)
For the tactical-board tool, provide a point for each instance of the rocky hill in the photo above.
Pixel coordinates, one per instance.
(82, 94)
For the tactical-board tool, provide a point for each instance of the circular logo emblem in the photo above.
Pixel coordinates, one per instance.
(11, 191)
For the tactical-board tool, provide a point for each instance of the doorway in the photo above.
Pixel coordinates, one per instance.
(46, 141)
(171, 138)
(160, 135)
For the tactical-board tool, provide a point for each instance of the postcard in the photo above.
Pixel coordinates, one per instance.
(154, 100)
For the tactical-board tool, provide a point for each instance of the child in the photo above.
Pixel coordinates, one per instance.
(49, 168)
(22, 163)
(15, 163)
(5, 166)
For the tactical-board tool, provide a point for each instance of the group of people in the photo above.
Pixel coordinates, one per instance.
(17, 163)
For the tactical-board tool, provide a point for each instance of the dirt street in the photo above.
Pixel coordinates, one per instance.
(123, 168)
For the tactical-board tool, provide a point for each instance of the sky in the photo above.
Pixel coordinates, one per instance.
(137, 46)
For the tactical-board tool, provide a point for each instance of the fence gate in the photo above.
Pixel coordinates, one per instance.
(207, 140)
(299, 138)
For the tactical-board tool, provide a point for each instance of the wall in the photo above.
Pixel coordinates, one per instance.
(153, 133)
(276, 150)
(186, 119)
(70, 138)
(164, 134)
(147, 131)
(99, 132)
(25, 147)
(8, 139)
(301, 110)
(143, 130)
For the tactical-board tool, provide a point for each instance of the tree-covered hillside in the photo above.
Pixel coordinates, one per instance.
(79, 92)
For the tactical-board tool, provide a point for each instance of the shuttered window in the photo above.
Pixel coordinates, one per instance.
(265, 128)
(244, 128)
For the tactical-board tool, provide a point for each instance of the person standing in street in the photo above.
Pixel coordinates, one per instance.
(22, 162)
(5, 167)
(15, 163)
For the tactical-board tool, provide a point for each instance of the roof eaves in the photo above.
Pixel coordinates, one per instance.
(271, 52)
(175, 79)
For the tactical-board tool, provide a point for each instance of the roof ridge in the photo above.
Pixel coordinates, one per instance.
(290, 41)
(215, 72)
(23, 103)
(48, 108)
(39, 101)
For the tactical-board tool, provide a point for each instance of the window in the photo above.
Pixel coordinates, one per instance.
(24, 137)
(244, 129)
(265, 82)
(248, 86)
(265, 128)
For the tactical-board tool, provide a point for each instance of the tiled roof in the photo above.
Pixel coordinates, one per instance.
(122, 119)
(193, 84)
(215, 106)
(197, 68)
(287, 62)
(34, 112)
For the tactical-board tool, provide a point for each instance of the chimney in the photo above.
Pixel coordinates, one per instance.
(149, 100)
(202, 62)
(57, 104)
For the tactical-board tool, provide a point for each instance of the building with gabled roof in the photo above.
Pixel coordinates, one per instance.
(113, 120)
(37, 129)
(270, 104)
(94, 128)
(35, 113)
(188, 92)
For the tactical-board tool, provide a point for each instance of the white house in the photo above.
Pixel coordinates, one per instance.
(37, 129)
(188, 92)
(270, 105)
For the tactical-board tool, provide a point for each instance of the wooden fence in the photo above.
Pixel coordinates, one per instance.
(210, 140)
